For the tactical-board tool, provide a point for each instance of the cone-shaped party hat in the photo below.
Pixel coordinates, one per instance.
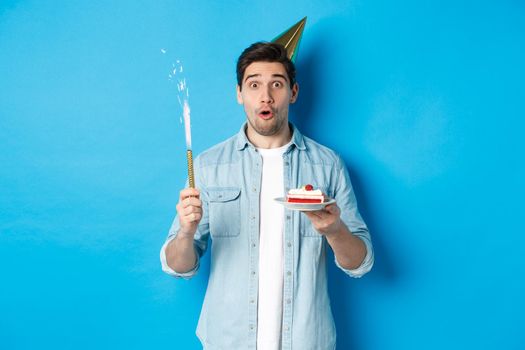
(291, 38)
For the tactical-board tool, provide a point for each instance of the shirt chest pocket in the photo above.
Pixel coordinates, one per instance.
(224, 211)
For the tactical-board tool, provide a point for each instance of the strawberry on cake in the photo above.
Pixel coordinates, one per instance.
(305, 194)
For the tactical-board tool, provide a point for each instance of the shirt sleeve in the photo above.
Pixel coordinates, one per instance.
(200, 240)
(367, 263)
(169, 270)
(346, 200)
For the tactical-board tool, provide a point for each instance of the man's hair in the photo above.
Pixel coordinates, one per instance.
(265, 52)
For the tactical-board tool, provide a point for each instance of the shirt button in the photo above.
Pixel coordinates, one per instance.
(253, 273)
(289, 244)
(254, 189)
(287, 328)
(254, 245)
(252, 301)
(289, 273)
(251, 326)
(287, 163)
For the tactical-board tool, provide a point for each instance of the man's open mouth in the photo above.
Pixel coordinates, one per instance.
(265, 113)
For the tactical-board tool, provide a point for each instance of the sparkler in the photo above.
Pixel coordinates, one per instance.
(183, 95)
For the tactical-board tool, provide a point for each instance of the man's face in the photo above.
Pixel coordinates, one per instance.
(266, 95)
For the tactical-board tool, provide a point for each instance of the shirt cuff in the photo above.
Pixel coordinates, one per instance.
(169, 270)
(367, 263)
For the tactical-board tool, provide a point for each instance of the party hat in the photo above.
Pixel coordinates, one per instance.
(291, 38)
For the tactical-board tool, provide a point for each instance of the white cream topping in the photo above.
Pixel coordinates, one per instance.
(302, 191)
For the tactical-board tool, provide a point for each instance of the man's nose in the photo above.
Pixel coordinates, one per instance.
(266, 95)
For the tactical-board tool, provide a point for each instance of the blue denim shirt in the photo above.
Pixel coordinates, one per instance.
(229, 178)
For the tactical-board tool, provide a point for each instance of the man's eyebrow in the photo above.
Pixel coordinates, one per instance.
(280, 76)
(251, 76)
(276, 75)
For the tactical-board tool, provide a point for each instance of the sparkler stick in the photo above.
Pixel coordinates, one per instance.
(190, 168)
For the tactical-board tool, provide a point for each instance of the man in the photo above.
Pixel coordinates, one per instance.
(267, 286)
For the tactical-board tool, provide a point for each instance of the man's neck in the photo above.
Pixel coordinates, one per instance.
(275, 141)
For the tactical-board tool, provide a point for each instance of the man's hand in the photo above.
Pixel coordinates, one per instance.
(180, 252)
(189, 209)
(349, 250)
(326, 221)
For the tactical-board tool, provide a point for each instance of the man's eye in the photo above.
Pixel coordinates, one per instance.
(277, 84)
(254, 85)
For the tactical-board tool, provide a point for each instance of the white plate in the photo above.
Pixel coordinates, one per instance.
(304, 206)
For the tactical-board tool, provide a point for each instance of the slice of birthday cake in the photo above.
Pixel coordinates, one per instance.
(305, 194)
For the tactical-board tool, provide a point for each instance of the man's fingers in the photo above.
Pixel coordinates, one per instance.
(190, 218)
(193, 217)
(192, 209)
(322, 214)
(313, 215)
(332, 209)
(319, 213)
(189, 207)
(189, 192)
(325, 220)
(184, 208)
(191, 202)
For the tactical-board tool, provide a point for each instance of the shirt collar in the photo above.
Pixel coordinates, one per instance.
(242, 140)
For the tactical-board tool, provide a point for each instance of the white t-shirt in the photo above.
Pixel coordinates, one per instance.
(271, 251)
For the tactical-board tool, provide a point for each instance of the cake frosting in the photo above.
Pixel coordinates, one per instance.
(305, 194)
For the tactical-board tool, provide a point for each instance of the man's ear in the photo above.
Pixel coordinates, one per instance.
(295, 93)
(239, 96)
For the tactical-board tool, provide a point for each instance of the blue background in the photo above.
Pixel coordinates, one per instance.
(423, 99)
